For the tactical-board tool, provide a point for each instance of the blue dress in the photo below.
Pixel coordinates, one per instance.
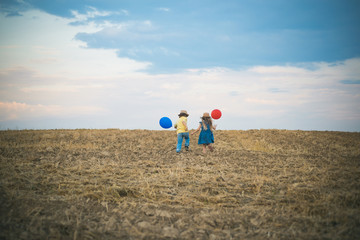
(206, 136)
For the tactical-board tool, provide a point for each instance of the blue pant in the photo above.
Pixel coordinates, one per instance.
(180, 138)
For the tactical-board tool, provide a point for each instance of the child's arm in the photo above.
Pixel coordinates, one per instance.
(214, 127)
(198, 129)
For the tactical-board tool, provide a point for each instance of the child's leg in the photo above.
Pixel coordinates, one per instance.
(187, 139)
(204, 148)
(180, 140)
(211, 147)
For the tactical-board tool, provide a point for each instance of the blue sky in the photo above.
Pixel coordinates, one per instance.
(125, 64)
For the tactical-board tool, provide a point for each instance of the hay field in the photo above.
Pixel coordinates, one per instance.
(131, 184)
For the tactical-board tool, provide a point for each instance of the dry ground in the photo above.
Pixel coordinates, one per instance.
(130, 184)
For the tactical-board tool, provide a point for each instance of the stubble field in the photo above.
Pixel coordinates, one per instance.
(131, 184)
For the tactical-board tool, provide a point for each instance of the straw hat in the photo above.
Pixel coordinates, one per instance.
(184, 112)
(206, 114)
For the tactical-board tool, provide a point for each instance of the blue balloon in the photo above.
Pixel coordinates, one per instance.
(165, 122)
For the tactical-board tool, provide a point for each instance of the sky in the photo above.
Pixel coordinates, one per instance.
(279, 64)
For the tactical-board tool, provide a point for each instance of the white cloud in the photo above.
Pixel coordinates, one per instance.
(199, 91)
(23, 111)
(164, 9)
(262, 101)
(250, 93)
(93, 12)
(89, 14)
(55, 52)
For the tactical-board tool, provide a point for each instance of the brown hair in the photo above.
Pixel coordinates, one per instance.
(206, 121)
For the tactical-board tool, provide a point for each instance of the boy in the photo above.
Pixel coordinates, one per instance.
(182, 131)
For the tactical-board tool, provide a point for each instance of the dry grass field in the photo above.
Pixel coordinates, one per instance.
(131, 184)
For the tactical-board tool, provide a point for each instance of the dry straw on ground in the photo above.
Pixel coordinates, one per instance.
(131, 184)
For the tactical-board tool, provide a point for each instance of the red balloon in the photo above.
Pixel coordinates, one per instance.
(216, 114)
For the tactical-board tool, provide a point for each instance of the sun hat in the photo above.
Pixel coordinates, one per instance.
(183, 112)
(206, 114)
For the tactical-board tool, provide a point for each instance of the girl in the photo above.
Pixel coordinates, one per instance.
(206, 137)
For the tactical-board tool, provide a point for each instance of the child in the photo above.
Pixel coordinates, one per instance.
(206, 137)
(182, 131)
